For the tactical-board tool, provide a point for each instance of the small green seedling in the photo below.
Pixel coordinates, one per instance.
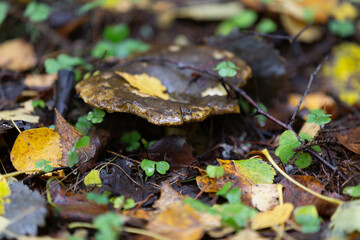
(147, 144)
(353, 191)
(37, 12)
(132, 140)
(96, 116)
(149, 167)
(288, 141)
(116, 43)
(226, 69)
(244, 20)
(83, 125)
(108, 226)
(38, 103)
(234, 213)
(73, 156)
(4, 7)
(121, 203)
(44, 165)
(215, 171)
(308, 218)
(266, 26)
(343, 28)
(101, 199)
(318, 117)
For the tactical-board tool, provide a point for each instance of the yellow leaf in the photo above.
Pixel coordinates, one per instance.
(93, 178)
(268, 219)
(4, 192)
(344, 11)
(146, 84)
(36, 144)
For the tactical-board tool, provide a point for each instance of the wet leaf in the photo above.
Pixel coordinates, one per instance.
(271, 218)
(93, 178)
(146, 84)
(4, 194)
(35, 144)
(346, 217)
(30, 205)
(179, 221)
(350, 139)
(17, 55)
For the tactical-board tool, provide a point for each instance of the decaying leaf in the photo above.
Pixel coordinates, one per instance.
(17, 55)
(346, 217)
(184, 87)
(350, 139)
(34, 144)
(4, 194)
(243, 174)
(167, 198)
(23, 113)
(40, 80)
(343, 72)
(271, 218)
(179, 221)
(25, 211)
(264, 196)
(316, 100)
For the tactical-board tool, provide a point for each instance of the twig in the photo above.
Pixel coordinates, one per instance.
(311, 79)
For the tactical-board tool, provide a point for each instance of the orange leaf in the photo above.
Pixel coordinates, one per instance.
(271, 218)
(35, 144)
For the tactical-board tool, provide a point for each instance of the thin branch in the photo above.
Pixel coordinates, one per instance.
(311, 79)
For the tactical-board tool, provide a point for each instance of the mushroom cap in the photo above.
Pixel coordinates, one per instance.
(193, 96)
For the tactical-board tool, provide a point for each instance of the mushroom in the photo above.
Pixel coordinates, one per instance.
(182, 94)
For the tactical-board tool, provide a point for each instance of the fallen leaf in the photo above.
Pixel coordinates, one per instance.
(93, 178)
(343, 11)
(346, 217)
(312, 101)
(23, 113)
(17, 55)
(179, 221)
(34, 144)
(246, 234)
(40, 80)
(264, 196)
(167, 198)
(342, 72)
(243, 174)
(350, 139)
(26, 210)
(4, 194)
(271, 218)
(299, 197)
(146, 84)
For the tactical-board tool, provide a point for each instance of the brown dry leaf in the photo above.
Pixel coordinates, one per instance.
(299, 197)
(317, 100)
(17, 55)
(174, 150)
(34, 144)
(350, 139)
(264, 196)
(167, 198)
(146, 84)
(68, 136)
(137, 213)
(271, 218)
(310, 128)
(40, 80)
(180, 221)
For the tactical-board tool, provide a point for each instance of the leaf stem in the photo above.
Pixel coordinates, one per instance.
(325, 198)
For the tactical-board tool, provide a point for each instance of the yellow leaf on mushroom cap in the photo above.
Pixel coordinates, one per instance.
(146, 84)
(33, 145)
